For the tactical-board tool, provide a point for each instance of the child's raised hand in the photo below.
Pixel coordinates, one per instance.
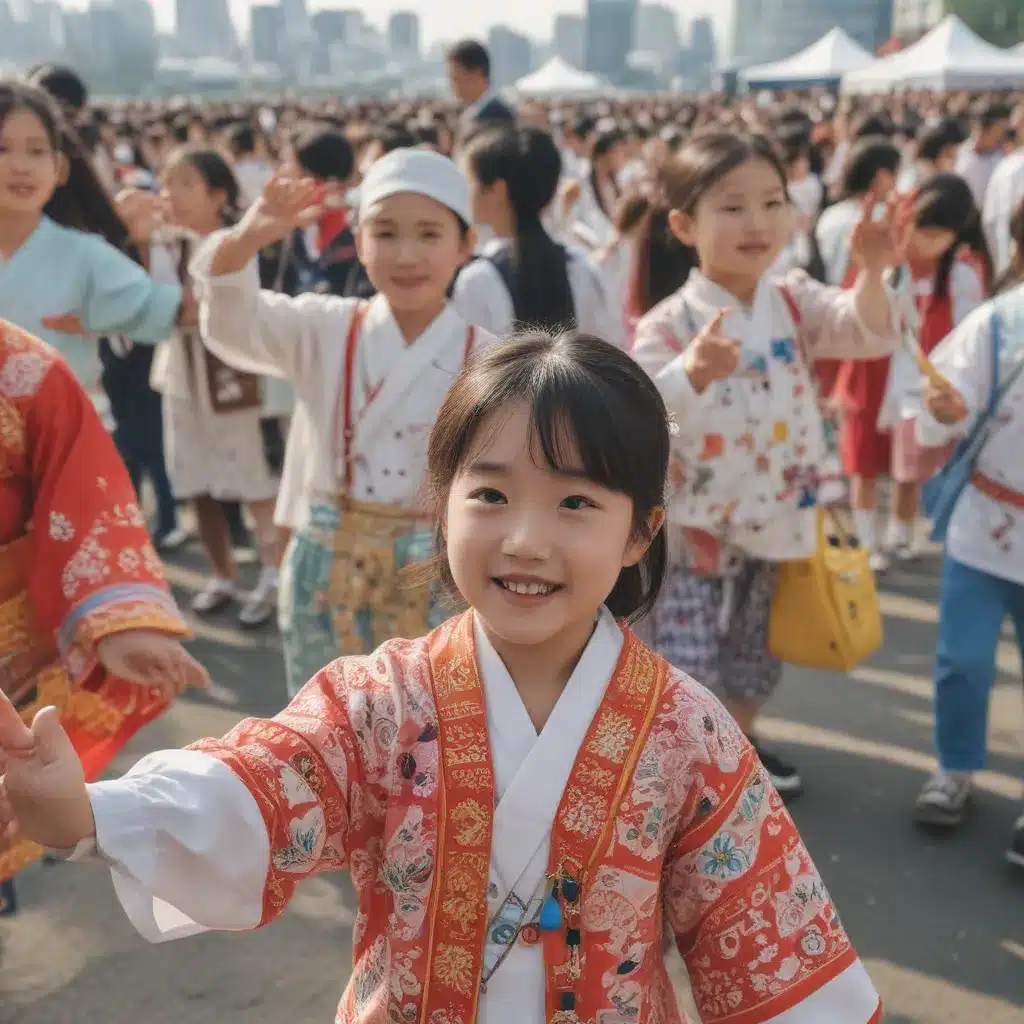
(880, 243)
(43, 796)
(287, 203)
(712, 355)
(152, 659)
(944, 402)
(141, 212)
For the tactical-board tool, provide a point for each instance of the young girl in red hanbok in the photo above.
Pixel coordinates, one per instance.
(527, 796)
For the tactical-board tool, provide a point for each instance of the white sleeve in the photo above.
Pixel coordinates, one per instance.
(593, 304)
(482, 299)
(186, 845)
(966, 290)
(261, 331)
(965, 360)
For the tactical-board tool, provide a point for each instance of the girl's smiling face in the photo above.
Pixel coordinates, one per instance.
(30, 167)
(534, 551)
(739, 225)
(412, 246)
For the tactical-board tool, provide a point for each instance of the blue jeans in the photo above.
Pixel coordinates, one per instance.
(971, 613)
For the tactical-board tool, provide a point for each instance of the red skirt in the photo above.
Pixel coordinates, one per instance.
(866, 451)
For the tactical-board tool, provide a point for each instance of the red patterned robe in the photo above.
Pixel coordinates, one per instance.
(76, 562)
(385, 765)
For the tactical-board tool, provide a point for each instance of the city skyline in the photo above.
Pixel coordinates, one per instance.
(457, 19)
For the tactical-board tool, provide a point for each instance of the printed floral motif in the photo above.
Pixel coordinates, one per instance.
(23, 372)
(61, 527)
(89, 565)
(128, 561)
(730, 874)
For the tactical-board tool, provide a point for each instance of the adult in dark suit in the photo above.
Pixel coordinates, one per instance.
(469, 70)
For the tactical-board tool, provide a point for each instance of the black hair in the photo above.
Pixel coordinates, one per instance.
(990, 114)
(326, 154)
(587, 399)
(394, 136)
(528, 162)
(945, 201)
(874, 125)
(934, 141)
(242, 139)
(868, 156)
(81, 202)
(604, 144)
(471, 56)
(662, 262)
(63, 84)
(216, 172)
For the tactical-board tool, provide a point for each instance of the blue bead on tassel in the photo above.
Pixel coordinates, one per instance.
(550, 912)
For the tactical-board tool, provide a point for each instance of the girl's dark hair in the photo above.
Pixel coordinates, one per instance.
(326, 154)
(529, 163)
(217, 174)
(662, 262)
(945, 201)
(602, 146)
(1014, 275)
(81, 202)
(591, 408)
(868, 156)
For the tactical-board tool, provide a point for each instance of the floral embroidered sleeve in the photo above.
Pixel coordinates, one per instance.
(299, 767)
(749, 911)
(95, 571)
(829, 323)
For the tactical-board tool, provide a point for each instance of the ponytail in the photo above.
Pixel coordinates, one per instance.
(661, 263)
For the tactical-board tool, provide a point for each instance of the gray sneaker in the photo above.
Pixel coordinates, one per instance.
(943, 800)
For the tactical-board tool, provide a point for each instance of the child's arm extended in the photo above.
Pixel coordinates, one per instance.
(217, 836)
(749, 911)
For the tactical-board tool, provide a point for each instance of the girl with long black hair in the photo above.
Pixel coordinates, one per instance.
(524, 277)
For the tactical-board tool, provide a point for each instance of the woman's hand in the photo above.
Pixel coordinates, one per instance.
(43, 796)
(151, 659)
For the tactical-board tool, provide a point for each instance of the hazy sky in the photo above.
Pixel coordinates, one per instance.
(447, 19)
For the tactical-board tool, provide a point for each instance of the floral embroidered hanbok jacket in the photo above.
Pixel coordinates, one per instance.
(76, 562)
(418, 770)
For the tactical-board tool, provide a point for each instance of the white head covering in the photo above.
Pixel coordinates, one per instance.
(420, 171)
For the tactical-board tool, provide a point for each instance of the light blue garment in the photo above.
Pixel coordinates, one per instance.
(58, 270)
(307, 622)
(972, 608)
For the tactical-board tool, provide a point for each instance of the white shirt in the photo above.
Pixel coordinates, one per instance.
(977, 169)
(482, 297)
(1005, 194)
(984, 533)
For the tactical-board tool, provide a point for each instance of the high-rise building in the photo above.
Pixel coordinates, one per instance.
(204, 28)
(999, 21)
(767, 30)
(657, 32)
(703, 52)
(511, 56)
(330, 29)
(569, 40)
(267, 33)
(611, 26)
(404, 33)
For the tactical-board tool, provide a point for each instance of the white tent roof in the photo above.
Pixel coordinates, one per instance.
(831, 57)
(951, 56)
(557, 78)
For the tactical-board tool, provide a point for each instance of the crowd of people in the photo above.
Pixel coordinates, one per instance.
(569, 364)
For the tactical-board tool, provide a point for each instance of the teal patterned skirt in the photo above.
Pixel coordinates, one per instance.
(310, 620)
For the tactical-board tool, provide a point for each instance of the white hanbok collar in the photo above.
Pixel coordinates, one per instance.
(753, 326)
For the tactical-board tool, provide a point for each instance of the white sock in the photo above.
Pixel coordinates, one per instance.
(268, 575)
(901, 533)
(864, 521)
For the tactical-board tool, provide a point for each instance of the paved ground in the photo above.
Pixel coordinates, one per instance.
(940, 922)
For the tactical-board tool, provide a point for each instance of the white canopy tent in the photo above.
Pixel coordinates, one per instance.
(951, 56)
(557, 78)
(822, 63)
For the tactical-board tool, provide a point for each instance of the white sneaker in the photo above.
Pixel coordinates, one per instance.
(217, 593)
(879, 561)
(261, 602)
(173, 539)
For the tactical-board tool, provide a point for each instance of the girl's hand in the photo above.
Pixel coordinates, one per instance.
(571, 196)
(877, 244)
(42, 791)
(66, 323)
(152, 659)
(712, 355)
(188, 311)
(287, 203)
(944, 402)
(141, 212)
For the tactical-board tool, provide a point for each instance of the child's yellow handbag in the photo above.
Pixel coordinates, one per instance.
(825, 611)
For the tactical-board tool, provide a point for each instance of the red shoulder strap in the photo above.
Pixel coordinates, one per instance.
(794, 309)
